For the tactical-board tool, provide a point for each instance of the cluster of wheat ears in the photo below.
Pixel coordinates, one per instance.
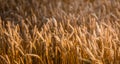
(59, 32)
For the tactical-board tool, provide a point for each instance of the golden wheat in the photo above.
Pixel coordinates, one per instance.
(59, 32)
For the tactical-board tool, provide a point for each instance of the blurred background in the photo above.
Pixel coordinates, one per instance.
(15, 10)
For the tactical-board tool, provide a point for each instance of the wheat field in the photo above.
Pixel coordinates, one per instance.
(59, 31)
